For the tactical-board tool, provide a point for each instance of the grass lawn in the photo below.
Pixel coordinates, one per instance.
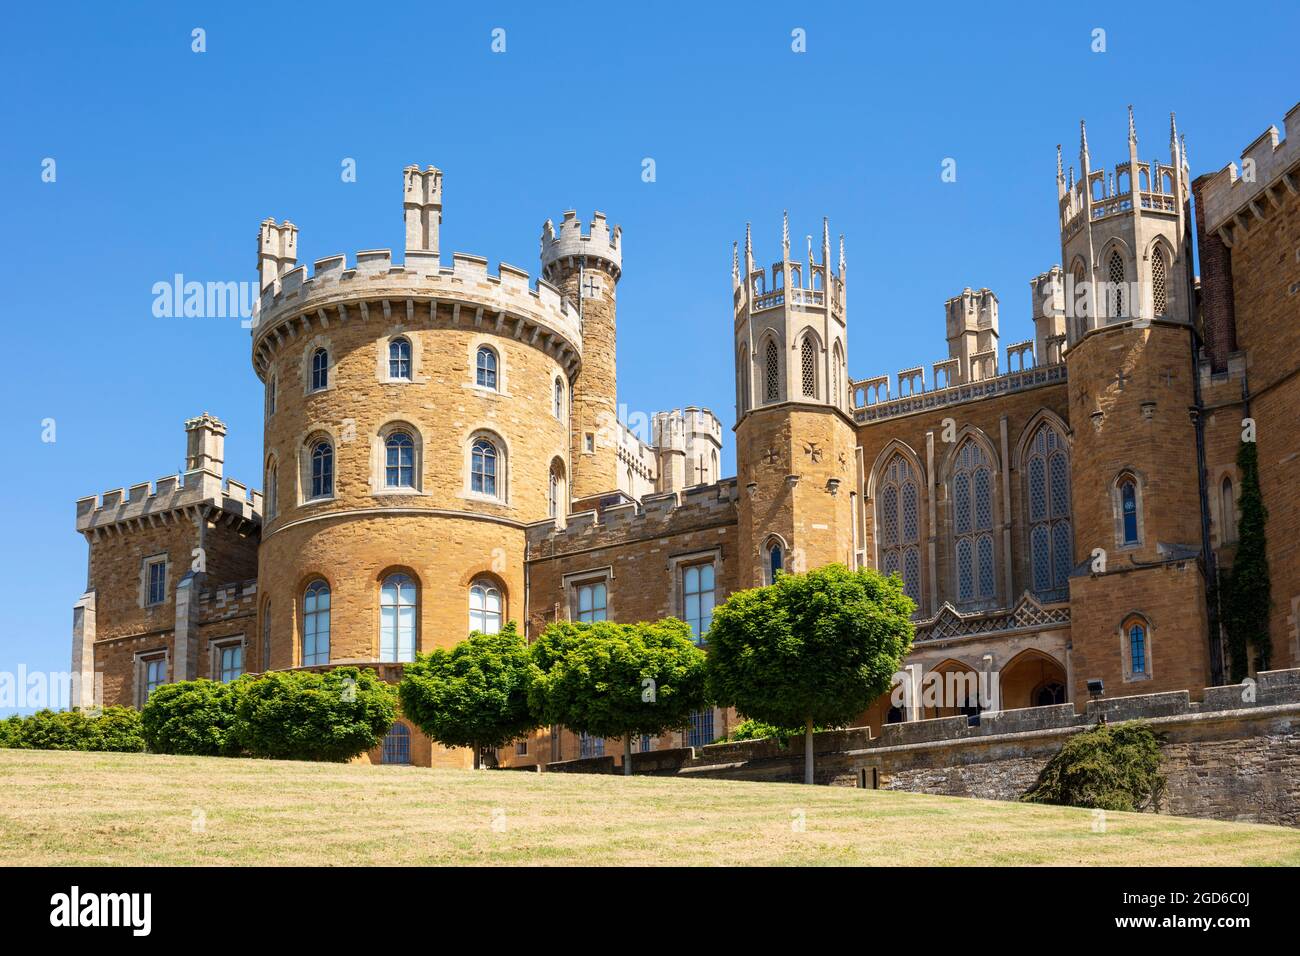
(91, 809)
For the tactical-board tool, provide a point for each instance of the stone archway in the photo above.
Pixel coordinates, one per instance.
(1033, 679)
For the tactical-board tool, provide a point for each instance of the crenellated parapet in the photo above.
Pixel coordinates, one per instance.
(654, 516)
(1233, 199)
(569, 244)
(335, 293)
(169, 499)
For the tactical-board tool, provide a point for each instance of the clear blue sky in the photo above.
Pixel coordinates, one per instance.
(167, 160)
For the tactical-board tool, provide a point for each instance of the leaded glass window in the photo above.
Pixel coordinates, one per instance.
(1050, 542)
(771, 374)
(972, 503)
(899, 520)
(1159, 281)
(808, 366)
(1116, 269)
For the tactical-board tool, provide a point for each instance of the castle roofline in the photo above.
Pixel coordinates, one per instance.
(149, 503)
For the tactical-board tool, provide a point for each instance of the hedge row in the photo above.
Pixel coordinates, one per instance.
(284, 715)
(114, 728)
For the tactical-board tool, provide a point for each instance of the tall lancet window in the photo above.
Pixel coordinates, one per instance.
(898, 515)
(1050, 542)
(1116, 271)
(771, 372)
(1159, 282)
(808, 366)
(972, 523)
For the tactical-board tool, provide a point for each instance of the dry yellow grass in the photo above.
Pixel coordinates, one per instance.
(111, 809)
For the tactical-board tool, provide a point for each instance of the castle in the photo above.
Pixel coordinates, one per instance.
(443, 453)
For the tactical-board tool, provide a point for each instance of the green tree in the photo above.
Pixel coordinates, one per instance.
(618, 680)
(1106, 768)
(194, 717)
(810, 649)
(301, 715)
(1245, 591)
(473, 695)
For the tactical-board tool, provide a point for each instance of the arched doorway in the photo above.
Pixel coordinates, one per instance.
(1032, 679)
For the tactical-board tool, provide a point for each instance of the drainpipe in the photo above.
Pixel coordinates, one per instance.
(1209, 563)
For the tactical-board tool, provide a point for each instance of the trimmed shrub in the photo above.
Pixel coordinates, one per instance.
(618, 680)
(300, 715)
(1107, 768)
(195, 717)
(473, 695)
(114, 729)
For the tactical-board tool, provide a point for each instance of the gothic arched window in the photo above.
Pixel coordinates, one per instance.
(808, 366)
(972, 523)
(1159, 280)
(1128, 506)
(1116, 274)
(898, 516)
(398, 608)
(558, 409)
(1051, 548)
(742, 371)
(771, 372)
(775, 560)
(1137, 646)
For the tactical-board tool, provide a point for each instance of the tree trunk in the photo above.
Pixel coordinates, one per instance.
(627, 755)
(808, 752)
(478, 757)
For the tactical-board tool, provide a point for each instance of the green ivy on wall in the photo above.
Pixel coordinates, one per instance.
(1245, 589)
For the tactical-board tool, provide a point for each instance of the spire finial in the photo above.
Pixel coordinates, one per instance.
(1071, 183)
(1132, 129)
(841, 255)
(1173, 129)
(1060, 171)
(1083, 141)
(1183, 151)
(735, 260)
(785, 233)
(749, 245)
(826, 233)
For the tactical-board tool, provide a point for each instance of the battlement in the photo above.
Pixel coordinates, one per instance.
(506, 300)
(571, 243)
(1268, 165)
(972, 310)
(813, 289)
(150, 502)
(674, 429)
(655, 516)
(1134, 187)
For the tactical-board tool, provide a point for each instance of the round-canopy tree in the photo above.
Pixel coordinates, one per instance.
(302, 715)
(473, 695)
(810, 649)
(618, 680)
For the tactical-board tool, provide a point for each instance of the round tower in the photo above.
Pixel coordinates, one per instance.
(412, 431)
(1138, 594)
(586, 269)
(796, 444)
